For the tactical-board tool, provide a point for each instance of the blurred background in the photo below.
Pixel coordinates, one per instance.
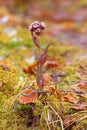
(66, 20)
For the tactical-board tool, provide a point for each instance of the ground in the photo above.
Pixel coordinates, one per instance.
(64, 106)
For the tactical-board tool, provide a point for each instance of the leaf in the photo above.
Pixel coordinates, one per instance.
(52, 89)
(80, 106)
(28, 96)
(52, 63)
(83, 85)
(4, 65)
(72, 98)
(43, 56)
(67, 120)
(57, 93)
(31, 69)
(83, 95)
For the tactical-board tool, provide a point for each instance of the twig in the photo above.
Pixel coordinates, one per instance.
(62, 128)
(47, 124)
(53, 121)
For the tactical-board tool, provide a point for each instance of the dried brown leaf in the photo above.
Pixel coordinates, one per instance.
(73, 98)
(28, 96)
(80, 106)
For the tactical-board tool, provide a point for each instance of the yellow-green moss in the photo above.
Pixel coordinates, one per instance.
(8, 79)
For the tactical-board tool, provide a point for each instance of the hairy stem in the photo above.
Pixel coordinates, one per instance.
(35, 40)
(40, 79)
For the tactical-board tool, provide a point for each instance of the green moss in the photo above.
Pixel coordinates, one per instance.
(24, 107)
(38, 108)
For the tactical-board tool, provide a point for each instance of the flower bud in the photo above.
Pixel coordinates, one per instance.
(37, 27)
(42, 24)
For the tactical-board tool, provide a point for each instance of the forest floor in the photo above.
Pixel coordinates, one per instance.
(65, 74)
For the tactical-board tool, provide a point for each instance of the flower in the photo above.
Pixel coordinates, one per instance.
(37, 27)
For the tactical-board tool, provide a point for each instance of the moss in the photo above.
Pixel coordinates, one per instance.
(8, 79)
(38, 108)
(24, 107)
(84, 123)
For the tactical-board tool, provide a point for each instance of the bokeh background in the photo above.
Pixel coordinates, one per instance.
(66, 19)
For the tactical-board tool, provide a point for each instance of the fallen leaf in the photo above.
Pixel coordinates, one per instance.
(72, 98)
(31, 69)
(55, 92)
(67, 120)
(52, 88)
(7, 65)
(82, 95)
(80, 106)
(82, 85)
(28, 96)
(52, 63)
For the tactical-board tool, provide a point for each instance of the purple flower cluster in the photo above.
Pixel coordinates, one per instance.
(37, 27)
